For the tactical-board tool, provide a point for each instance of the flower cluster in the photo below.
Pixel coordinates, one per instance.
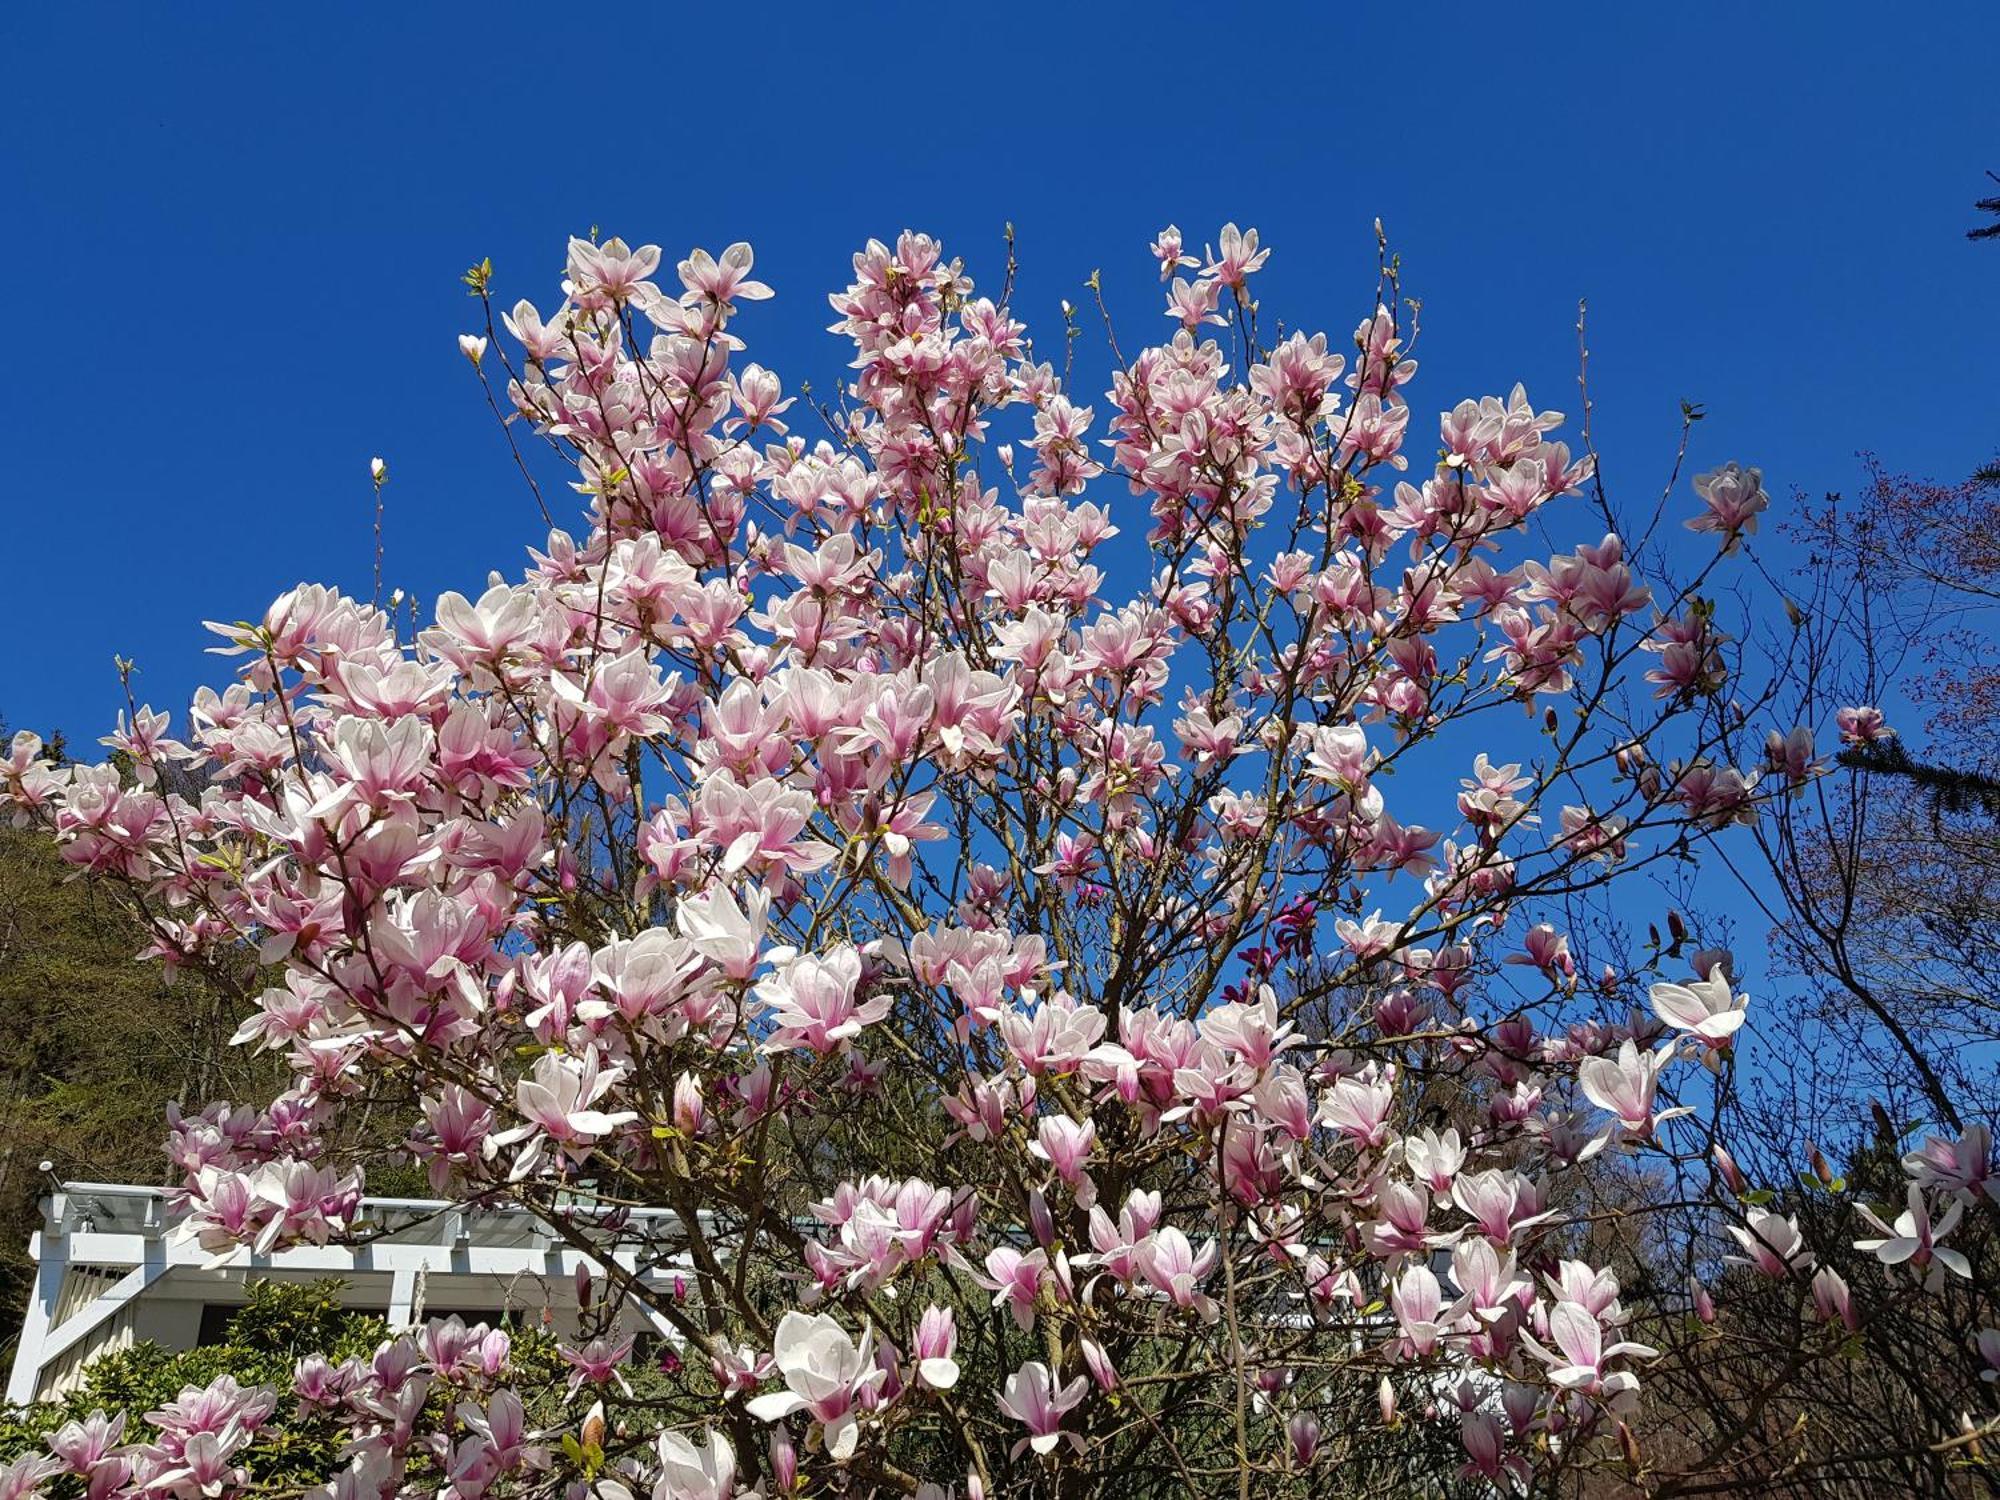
(983, 958)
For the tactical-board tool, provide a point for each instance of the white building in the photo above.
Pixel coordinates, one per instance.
(111, 1271)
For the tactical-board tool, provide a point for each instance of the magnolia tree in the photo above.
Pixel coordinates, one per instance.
(1064, 905)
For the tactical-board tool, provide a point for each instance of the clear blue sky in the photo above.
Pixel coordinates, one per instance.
(236, 233)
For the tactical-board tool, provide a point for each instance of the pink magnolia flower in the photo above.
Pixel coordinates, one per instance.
(1167, 251)
(1066, 1145)
(598, 1363)
(1913, 1239)
(1961, 1166)
(723, 280)
(826, 1375)
(84, 1445)
(559, 1099)
(1624, 1085)
(1172, 1266)
(25, 1476)
(690, 1471)
(1015, 1279)
(1733, 497)
(1417, 1300)
(812, 1000)
(1705, 1009)
(1832, 1300)
(1033, 1398)
(1239, 258)
(1581, 1354)
(1772, 1244)
(1862, 725)
(935, 1343)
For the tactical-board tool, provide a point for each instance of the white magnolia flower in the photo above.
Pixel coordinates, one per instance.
(824, 1374)
(1705, 1008)
(691, 1473)
(1914, 1237)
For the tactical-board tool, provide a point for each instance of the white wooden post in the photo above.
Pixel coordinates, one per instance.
(48, 1247)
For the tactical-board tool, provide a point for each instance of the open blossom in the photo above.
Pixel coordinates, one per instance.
(558, 1100)
(690, 1471)
(814, 1005)
(1581, 1352)
(1964, 1165)
(1732, 498)
(1771, 1243)
(1032, 1397)
(1913, 1239)
(1862, 725)
(826, 1375)
(1624, 1085)
(1706, 1009)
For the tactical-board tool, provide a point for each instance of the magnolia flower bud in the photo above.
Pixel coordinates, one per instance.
(690, 1110)
(1385, 1398)
(1732, 1176)
(1704, 1304)
(784, 1460)
(1302, 1434)
(1098, 1362)
(1832, 1300)
(1040, 1220)
(377, 470)
(473, 347)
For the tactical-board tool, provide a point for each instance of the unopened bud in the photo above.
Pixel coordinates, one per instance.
(784, 1460)
(1732, 1175)
(1704, 1305)
(1302, 1434)
(473, 347)
(690, 1109)
(1098, 1362)
(1040, 1220)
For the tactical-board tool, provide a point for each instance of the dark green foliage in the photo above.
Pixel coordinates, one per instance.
(278, 1324)
(94, 1047)
(1950, 790)
(1989, 206)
